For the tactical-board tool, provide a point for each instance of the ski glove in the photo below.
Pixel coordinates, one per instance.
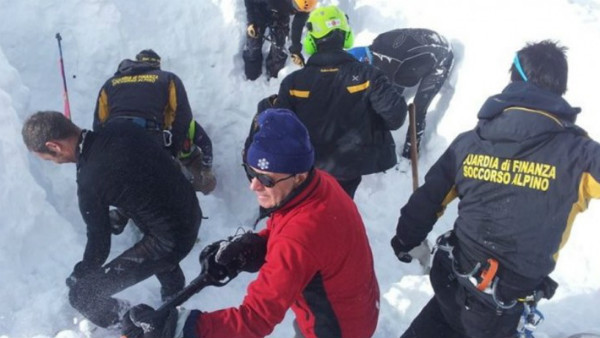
(252, 31)
(217, 272)
(401, 250)
(202, 178)
(245, 252)
(208, 181)
(79, 271)
(296, 55)
(143, 321)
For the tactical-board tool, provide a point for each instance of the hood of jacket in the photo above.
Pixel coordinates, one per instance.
(131, 67)
(523, 117)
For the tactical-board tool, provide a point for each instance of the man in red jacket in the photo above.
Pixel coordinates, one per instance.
(313, 257)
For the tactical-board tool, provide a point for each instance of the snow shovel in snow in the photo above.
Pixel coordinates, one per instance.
(212, 274)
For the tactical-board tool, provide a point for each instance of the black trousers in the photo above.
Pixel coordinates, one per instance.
(279, 28)
(428, 88)
(457, 312)
(91, 295)
(350, 186)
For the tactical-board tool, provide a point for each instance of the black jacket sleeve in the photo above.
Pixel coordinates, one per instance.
(251, 8)
(283, 97)
(251, 132)
(179, 106)
(428, 202)
(202, 140)
(95, 215)
(264, 104)
(591, 153)
(102, 110)
(387, 101)
(298, 23)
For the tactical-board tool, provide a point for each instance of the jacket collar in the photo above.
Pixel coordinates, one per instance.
(302, 192)
(521, 118)
(85, 138)
(130, 67)
(295, 197)
(330, 57)
(523, 94)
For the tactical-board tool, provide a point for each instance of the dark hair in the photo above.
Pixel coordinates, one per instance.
(544, 64)
(45, 126)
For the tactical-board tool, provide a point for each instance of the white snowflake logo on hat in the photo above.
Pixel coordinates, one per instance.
(263, 164)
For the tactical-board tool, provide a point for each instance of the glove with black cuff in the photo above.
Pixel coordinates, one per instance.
(143, 321)
(245, 252)
(401, 250)
(203, 178)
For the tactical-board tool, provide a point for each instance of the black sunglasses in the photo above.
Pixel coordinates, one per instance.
(264, 179)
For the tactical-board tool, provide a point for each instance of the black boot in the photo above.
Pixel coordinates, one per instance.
(253, 58)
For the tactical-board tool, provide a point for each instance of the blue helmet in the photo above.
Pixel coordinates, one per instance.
(362, 54)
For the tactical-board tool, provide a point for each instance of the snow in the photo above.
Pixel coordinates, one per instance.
(43, 235)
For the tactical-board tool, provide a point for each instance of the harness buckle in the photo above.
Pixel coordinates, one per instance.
(482, 277)
(487, 274)
(444, 243)
(167, 138)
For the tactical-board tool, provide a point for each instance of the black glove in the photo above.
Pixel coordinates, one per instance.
(143, 321)
(203, 179)
(296, 55)
(245, 252)
(79, 271)
(118, 221)
(401, 250)
(216, 271)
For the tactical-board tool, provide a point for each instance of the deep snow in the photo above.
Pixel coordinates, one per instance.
(42, 233)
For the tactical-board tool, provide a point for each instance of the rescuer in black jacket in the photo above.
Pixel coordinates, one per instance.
(347, 106)
(411, 57)
(156, 100)
(141, 89)
(521, 175)
(120, 166)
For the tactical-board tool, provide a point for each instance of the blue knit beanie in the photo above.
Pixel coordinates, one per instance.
(281, 144)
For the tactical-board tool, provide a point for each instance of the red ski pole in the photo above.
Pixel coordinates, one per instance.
(67, 109)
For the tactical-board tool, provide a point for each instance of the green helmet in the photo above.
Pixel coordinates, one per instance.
(324, 20)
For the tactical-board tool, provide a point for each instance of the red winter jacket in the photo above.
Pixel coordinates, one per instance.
(318, 262)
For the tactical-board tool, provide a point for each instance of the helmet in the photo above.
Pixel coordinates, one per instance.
(304, 5)
(148, 55)
(323, 21)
